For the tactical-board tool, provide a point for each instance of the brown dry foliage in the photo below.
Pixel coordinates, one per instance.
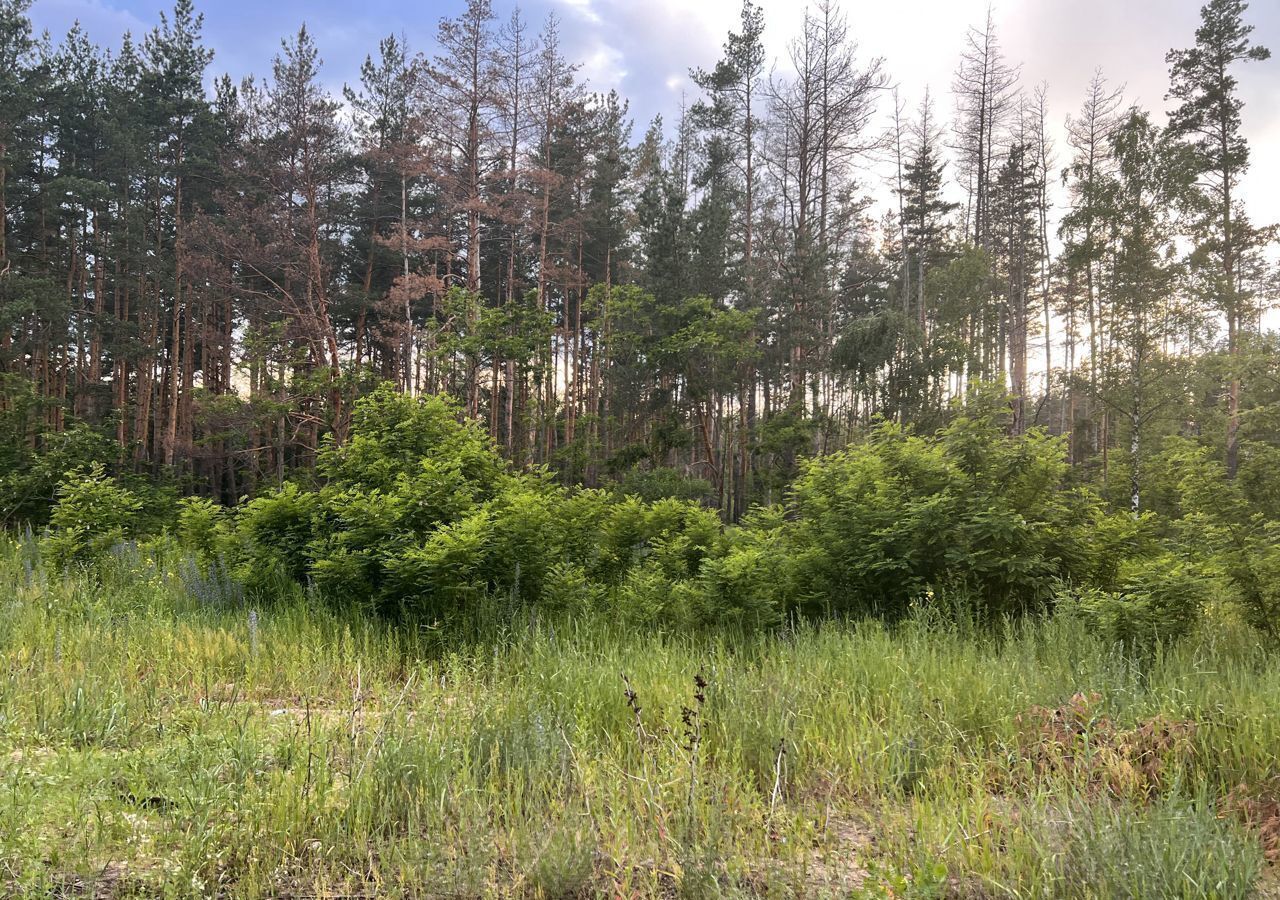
(1077, 741)
(1257, 807)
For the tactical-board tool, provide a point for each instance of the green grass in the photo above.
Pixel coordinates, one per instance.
(146, 749)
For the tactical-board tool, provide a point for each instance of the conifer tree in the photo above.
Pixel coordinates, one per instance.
(1208, 117)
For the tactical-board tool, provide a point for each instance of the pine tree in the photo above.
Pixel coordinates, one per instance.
(1014, 244)
(465, 95)
(389, 253)
(17, 97)
(180, 125)
(984, 89)
(1208, 117)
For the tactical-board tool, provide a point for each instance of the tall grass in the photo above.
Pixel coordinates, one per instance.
(150, 746)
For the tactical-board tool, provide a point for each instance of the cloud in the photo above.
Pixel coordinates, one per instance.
(604, 68)
(104, 23)
(646, 49)
(584, 9)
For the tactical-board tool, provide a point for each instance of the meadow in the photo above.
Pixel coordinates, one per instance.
(162, 736)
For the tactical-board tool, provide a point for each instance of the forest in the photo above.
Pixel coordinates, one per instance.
(199, 284)
(914, 460)
(463, 298)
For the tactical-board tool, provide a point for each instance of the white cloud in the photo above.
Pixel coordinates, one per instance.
(584, 9)
(104, 23)
(603, 68)
(1060, 42)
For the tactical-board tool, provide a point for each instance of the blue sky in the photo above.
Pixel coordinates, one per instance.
(646, 47)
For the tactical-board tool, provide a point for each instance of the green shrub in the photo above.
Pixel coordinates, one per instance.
(32, 467)
(1156, 599)
(1259, 478)
(567, 588)
(646, 596)
(354, 533)
(419, 517)
(675, 534)
(403, 521)
(896, 515)
(203, 528)
(742, 587)
(272, 539)
(758, 575)
(1228, 528)
(93, 514)
(444, 573)
(663, 483)
(396, 436)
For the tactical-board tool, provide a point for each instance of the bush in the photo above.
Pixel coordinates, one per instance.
(758, 575)
(419, 517)
(568, 589)
(202, 528)
(444, 573)
(665, 483)
(1154, 600)
(646, 596)
(676, 535)
(29, 478)
(1226, 524)
(353, 533)
(395, 436)
(93, 514)
(272, 538)
(897, 515)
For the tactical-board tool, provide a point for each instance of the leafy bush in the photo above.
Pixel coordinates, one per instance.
(419, 517)
(202, 528)
(92, 514)
(758, 575)
(896, 515)
(1156, 599)
(1226, 524)
(568, 589)
(353, 534)
(1260, 478)
(646, 596)
(29, 478)
(395, 436)
(674, 534)
(272, 534)
(742, 587)
(443, 573)
(665, 483)
(35, 459)
(1249, 560)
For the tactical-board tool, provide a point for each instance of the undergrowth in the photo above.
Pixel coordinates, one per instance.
(160, 735)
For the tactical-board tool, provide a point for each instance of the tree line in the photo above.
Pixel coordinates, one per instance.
(202, 283)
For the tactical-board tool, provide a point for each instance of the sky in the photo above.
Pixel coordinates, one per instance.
(645, 48)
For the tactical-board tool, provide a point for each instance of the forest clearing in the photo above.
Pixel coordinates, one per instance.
(862, 480)
(154, 744)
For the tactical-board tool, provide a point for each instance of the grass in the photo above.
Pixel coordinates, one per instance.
(151, 745)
